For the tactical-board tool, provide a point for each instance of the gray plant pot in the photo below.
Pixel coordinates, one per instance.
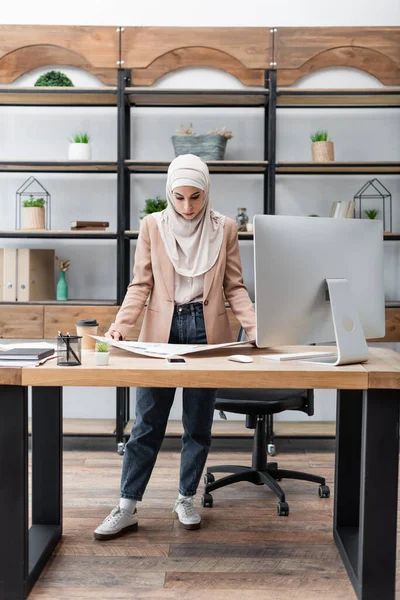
(210, 146)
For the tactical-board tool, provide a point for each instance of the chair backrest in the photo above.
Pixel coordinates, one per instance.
(308, 407)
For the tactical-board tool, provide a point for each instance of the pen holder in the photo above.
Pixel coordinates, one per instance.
(69, 350)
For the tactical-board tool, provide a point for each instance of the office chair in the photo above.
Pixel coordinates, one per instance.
(257, 404)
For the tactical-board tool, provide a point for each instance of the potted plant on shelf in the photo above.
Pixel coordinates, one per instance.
(321, 148)
(210, 146)
(101, 354)
(34, 213)
(153, 205)
(53, 79)
(80, 148)
(62, 285)
(371, 213)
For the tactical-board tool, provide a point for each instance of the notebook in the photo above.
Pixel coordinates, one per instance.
(26, 353)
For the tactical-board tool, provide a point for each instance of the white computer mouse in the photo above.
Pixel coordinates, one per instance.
(243, 358)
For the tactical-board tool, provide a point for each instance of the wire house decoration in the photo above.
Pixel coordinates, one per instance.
(32, 189)
(375, 189)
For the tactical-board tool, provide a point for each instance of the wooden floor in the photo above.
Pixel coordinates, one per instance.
(243, 551)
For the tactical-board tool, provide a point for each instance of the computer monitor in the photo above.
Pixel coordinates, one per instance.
(319, 280)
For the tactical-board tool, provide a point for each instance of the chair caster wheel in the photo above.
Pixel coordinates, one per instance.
(207, 500)
(121, 448)
(271, 449)
(283, 509)
(324, 491)
(208, 478)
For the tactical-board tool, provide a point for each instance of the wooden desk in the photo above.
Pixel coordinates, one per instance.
(366, 472)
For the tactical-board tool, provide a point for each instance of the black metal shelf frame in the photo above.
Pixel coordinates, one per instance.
(266, 98)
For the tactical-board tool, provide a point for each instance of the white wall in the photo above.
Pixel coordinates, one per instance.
(43, 133)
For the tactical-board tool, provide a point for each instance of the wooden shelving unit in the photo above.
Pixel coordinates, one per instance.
(339, 98)
(62, 96)
(216, 166)
(338, 168)
(58, 166)
(245, 53)
(58, 234)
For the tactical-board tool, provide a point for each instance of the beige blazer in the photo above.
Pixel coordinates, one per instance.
(153, 282)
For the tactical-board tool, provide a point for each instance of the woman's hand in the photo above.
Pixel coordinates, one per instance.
(113, 335)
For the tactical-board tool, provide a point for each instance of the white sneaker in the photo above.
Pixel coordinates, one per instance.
(187, 514)
(118, 522)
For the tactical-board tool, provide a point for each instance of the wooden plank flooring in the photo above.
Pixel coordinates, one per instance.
(243, 548)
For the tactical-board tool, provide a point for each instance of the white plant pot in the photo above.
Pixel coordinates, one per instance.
(79, 151)
(101, 358)
(34, 217)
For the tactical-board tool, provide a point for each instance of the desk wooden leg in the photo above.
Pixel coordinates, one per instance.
(365, 514)
(14, 492)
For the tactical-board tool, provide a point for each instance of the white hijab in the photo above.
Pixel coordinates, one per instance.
(191, 245)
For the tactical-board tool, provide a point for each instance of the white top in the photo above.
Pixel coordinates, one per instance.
(188, 289)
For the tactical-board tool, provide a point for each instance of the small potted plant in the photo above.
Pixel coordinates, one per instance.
(321, 148)
(371, 213)
(154, 205)
(53, 79)
(34, 213)
(101, 354)
(62, 285)
(210, 146)
(80, 148)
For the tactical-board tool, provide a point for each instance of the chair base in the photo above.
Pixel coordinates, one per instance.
(268, 477)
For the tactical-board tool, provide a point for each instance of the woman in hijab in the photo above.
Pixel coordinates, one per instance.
(187, 264)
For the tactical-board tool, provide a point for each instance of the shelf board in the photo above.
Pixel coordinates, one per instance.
(337, 167)
(56, 234)
(391, 236)
(214, 98)
(71, 302)
(215, 166)
(340, 98)
(58, 166)
(133, 235)
(58, 96)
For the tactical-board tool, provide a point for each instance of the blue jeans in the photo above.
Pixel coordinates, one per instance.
(153, 406)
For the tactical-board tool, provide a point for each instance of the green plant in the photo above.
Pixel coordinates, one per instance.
(154, 205)
(80, 138)
(34, 202)
(189, 131)
(102, 347)
(372, 213)
(54, 79)
(319, 136)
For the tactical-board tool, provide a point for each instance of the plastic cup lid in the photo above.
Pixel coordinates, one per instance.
(87, 323)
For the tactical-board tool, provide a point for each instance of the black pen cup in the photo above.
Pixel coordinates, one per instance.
(69, 350)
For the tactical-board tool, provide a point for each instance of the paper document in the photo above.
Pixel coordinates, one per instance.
(25, 363)
(164, 350)
(44, 345)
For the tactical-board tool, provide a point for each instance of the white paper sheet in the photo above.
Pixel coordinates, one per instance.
(43, 345)
(164, 350)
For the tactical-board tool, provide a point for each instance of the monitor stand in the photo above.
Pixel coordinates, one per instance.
(349, 335)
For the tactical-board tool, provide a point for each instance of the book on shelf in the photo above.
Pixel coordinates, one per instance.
(342, 209)
(89, 224)
(88, 228)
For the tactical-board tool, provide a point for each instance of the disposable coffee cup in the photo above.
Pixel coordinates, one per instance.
(87, 328)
